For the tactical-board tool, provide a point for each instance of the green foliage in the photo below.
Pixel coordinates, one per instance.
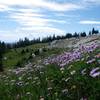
(83, 34)
(50, 82)
(36, 52)
(21, 55)
(22, 52)
(95, 31)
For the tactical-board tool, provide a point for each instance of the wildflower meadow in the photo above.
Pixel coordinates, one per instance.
(72, 75)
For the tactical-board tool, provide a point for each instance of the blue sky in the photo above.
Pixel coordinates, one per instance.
(40, 18)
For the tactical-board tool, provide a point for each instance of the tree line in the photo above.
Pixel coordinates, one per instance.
(26, 41)
(4, 47)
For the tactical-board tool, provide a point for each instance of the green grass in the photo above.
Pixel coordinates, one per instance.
(14, 56)
(51, 83)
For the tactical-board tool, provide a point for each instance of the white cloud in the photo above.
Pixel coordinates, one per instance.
(28, 19)
(29, 32)
(31, 19)
(7, 36)
(33, 23)
(12, 37)
(27, 10)
(4, 8)
(89, 22)
(92, 1)
(54, 6)
(43, 30)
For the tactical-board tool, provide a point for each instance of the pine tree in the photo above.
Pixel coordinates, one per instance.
(90, 33)
(93, 31)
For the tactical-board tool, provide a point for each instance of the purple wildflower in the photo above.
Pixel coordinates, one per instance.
(94, 70)
(94, 73)
(90, 61)
(68, 57)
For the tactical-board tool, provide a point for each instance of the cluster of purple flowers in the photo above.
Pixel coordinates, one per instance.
(90, 61)
(64, 58)
(88, 48)
(68, 57)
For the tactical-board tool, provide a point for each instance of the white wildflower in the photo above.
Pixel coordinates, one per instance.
(73, 72)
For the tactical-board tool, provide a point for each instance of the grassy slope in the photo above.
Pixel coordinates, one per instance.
(51, 83)
(14, 56)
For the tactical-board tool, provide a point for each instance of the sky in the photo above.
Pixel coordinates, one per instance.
(41, 18)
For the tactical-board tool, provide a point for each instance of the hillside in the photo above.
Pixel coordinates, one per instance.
(19, 57)
(75, 42)
(67, 69)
